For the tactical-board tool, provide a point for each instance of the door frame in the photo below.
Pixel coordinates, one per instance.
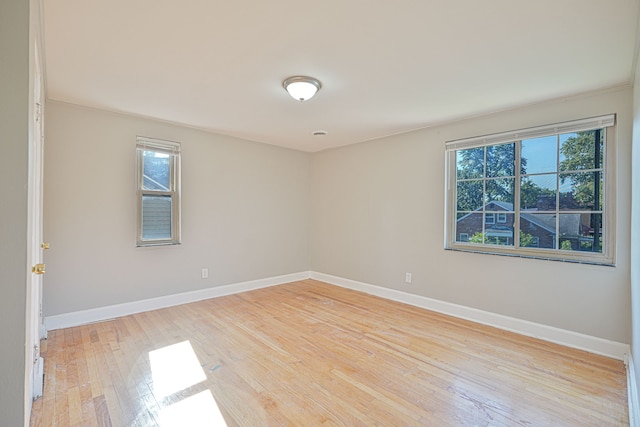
(34, 331)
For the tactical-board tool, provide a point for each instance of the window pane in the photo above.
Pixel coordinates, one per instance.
(538, 192)
(581, 232)
(537, 230)
(498, 233)
(469, 225)
(156, 171)
(592, 232)
(156, 217)
(500, 192)
(578, 150)
(539, 155)
(469, 195)
(501, 160)
(578, 191)
(470, 163)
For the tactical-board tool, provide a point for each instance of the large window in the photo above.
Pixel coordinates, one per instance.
(158, 192)
(544, 192)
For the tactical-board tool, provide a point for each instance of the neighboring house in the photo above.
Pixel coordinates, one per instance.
(499, 218)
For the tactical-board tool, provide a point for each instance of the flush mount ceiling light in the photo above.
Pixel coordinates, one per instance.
(302, 88)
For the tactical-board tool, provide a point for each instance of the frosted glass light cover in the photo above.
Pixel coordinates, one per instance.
(302, 91)
(301, 88)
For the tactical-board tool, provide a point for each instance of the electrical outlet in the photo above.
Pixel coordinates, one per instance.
(407, 277)
(205, 273)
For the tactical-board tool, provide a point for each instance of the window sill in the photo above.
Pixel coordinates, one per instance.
(155, 244)
(543, 256)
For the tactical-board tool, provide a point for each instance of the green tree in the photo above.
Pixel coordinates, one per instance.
(471, 172)
(530, 192)
(579, 152)
(526, 239)
(583, 152)
(477, 238)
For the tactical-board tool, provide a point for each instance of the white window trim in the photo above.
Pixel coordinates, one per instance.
(491, 215)
(502, 218)
(607, 257)
(173, 149)
(534, 132)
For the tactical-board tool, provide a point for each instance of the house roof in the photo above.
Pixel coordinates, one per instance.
(534, 219)
(385, 67)
(151, 184)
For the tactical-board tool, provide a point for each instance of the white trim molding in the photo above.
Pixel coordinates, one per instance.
(632, 391)
(615, 350)
(68, 320)
(588, 343)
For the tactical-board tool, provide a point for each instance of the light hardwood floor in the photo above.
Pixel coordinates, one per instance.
(308, 353)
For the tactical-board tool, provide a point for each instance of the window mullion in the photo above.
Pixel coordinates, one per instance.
(516, 196)
(484, 198)
(157, 193)
(557, 206)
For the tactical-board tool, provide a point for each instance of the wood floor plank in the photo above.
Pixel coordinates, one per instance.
(308, 353)
(102, 412)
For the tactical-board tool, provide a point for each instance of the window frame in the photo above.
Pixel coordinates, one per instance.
(173, 150)
(606, 257)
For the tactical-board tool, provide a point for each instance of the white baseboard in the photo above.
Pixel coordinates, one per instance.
(588, 343)
(68, 320)
(632, 391)
(38, 381)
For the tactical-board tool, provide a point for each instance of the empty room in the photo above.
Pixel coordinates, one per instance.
(343, 213)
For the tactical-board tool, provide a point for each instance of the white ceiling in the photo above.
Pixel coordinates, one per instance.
(386, 67)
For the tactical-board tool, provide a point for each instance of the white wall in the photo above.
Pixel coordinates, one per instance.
(377, 212)
(14, 143)
(368, 212)
(245, 211)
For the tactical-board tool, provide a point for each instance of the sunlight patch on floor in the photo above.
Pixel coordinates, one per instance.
(199, 410)
(174, 368)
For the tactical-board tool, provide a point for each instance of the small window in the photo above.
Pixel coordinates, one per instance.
(542, 192)
(158, 167)
(464, 237)
(535, 242)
